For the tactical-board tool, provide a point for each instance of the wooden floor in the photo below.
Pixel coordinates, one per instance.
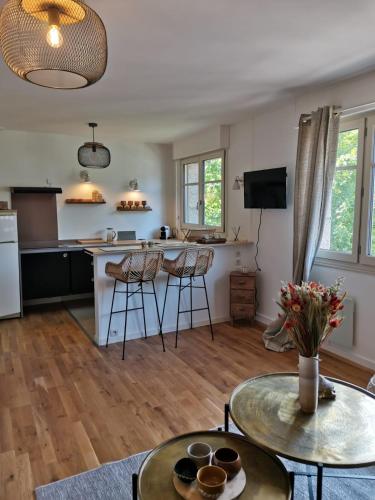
(67, 406)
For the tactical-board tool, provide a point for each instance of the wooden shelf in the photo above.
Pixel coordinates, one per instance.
(139, 209)
(73, 201)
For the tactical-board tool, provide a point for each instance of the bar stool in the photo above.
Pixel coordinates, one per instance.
(137, 268)
(190, 263)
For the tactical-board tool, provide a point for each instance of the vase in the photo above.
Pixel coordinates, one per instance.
(308, 383)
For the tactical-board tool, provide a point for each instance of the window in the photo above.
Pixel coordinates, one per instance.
(340, 239)
(349, 230)
(203, 191)
(367, 236)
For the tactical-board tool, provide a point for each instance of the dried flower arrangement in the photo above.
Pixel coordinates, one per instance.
(312, 312)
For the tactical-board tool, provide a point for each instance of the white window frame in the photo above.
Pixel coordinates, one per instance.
(366, 217)
(331, 255)
(200, 159)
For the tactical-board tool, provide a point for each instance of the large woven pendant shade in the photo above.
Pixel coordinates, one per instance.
(59, 44)
(94, 154)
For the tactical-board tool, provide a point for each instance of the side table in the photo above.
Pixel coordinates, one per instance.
(340, 434)
(242, 295)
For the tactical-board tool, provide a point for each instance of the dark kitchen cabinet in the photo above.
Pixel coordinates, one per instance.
(81, 273)
(45, 275)
(56, 274)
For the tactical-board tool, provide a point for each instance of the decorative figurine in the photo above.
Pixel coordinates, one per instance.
(236, 232)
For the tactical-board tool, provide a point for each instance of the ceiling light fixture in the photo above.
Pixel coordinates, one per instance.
(94, 154)
(238, 181)
(60, 44)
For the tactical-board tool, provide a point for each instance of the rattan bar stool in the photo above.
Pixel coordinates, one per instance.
(189, 264)
(136, 268)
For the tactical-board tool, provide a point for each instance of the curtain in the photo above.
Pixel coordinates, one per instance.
(315, 169)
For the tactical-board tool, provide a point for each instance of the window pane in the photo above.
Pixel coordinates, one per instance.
(338, 229)
(212, 170)
(192, 204)
(212, 204)
(339, 225)
(347, 151)
(191, 173)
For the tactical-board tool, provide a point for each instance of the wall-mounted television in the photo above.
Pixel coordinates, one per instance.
(265, 188)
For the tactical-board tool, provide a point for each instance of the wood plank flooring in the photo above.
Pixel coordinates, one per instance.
(67, 406)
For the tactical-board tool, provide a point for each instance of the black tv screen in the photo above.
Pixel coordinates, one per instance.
(265, 188)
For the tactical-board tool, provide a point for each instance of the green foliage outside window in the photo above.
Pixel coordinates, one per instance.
(212, 192)
(343, 193)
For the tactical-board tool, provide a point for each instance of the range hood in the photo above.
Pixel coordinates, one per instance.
(36, 190)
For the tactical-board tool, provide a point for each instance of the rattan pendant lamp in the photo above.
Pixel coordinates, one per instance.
(59, 44)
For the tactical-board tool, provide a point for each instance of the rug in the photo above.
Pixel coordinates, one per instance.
(112, 481)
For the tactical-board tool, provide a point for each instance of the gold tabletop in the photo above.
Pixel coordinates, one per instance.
(340, 434)
(266, 476)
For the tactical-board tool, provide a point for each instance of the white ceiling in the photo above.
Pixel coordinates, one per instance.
(176, 66)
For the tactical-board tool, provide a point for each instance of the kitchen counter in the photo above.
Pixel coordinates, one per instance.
(117, 246)
(121, 247)
(55, 246)
(226, 255)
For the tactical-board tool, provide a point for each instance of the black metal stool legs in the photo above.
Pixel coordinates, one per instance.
(178, 312)
(126, 321)
(208, 308)
(181, 288)
(110, 314)
(157, 311)
(143, 310)
(165, 300)
(191, 304)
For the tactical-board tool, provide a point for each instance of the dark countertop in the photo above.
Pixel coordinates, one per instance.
(34, 245)
(55, 245)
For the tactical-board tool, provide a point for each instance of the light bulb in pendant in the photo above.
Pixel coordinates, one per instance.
(54, 37)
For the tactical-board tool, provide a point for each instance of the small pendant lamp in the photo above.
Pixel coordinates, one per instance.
(94, 154)
(60, 44)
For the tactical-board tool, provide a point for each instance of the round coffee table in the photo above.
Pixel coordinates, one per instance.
(340, 434)
(266, 476)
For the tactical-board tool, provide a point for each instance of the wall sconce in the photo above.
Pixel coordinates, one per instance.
(84, 176)
(133, 185)
(238, 181)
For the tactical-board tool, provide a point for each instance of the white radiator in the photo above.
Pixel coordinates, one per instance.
(344, 335)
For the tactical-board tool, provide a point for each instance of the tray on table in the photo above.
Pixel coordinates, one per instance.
(266, 476)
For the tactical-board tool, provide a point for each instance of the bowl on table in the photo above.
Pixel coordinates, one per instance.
(211, 481)
(200, 453)
(229, 460)
(186, 470)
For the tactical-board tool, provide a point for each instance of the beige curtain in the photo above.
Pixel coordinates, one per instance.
(315, 169)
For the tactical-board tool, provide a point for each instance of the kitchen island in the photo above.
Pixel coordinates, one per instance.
(217, 280)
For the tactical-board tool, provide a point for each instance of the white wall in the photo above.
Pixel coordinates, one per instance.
(269, 139)
(28, 159)
(204, 141)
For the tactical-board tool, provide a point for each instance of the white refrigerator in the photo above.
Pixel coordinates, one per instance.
(10, 296)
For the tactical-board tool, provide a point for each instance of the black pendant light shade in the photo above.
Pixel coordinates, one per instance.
(94, 154)
(59, 44)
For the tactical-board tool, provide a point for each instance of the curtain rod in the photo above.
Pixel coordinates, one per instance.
(354, 110)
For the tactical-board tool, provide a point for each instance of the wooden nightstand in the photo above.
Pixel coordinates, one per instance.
(242, 295)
